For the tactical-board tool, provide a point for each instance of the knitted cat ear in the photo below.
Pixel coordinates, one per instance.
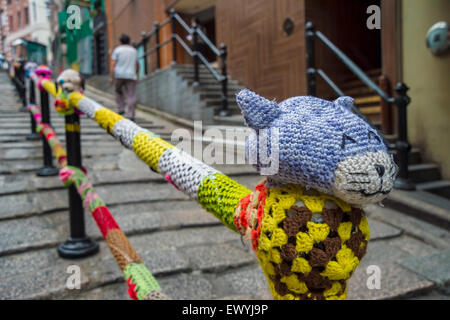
(346, 103)
(258, 112)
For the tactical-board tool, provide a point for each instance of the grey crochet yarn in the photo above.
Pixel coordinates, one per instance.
(321, 145)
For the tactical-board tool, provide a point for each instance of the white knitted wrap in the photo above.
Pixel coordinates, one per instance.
(125, 130)
(89, 107)
(186, 172)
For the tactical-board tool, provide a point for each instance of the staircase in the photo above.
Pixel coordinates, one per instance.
(210, 92)
(366, 100)
(425, 175)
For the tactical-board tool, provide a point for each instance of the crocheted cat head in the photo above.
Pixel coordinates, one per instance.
(321, 145)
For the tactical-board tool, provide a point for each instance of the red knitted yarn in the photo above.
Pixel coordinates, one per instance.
(105, 220)
(132, 290)
(246, 205)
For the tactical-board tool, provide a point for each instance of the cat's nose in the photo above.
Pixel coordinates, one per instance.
(380, 169)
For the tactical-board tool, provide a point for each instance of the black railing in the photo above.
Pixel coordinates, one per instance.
(401, 100)
(174, 20)
(20, 83)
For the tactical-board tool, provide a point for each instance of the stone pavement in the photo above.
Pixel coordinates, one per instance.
(190, 253)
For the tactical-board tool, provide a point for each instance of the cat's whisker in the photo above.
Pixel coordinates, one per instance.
(363, 182)
(358, 173)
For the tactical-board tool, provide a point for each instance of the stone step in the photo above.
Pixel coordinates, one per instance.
(233, 120)
(210, 102)
(370, 110)
(359, 92)
(425, 172)
(209, 81)
(164, 253)
(440, 188)
(215, 87)
(414, 157)
(368, 101)
(352, 84)
(217, 95)
(422, 205)
(371, 73)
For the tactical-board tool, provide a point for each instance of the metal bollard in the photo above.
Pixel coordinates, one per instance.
(402, 145)
(22, 86)
(310, 59)
(174, 32)
(33, 136)
(48, 170)
(78, 245)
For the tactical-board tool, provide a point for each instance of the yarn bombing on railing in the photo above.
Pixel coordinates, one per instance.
(305, 222)
(49, 133)
(142, 284)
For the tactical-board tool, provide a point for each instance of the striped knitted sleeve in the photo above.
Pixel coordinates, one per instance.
(216, 192)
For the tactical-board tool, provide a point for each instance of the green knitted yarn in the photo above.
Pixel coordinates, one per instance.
(142, 278)
(220, 195)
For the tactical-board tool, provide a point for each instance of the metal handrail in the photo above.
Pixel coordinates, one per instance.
(401, 100)
(353, 67)
(208, 42)
(194, 53)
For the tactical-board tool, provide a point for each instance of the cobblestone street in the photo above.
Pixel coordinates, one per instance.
(191, 254)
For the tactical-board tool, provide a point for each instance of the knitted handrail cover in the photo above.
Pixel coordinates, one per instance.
(49, 133)
(308, 244)
(142, 284)
(217, 193)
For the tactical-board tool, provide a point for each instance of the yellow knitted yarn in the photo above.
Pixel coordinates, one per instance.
(49, 86)
(75, 97)
(149, 148)
(104, 117)
(220, 195)
(312, 262)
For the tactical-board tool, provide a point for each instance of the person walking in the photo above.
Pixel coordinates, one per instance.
(124, 71)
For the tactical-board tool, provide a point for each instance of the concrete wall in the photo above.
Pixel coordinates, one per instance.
(166, 91)
(428, 76)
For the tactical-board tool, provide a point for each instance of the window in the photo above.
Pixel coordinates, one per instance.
(34, 12)
(9, 2)
(19, 19)
(11, 24)
(25, 15)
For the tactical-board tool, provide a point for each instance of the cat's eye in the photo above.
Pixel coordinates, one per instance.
(373, 135)
(346, 140)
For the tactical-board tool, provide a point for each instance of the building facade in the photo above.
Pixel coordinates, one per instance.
(267, 52)
(27, 20)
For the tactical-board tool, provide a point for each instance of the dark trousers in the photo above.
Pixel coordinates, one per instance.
(126, 95)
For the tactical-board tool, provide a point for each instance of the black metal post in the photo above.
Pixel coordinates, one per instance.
(78, 245)
(195, 49)
(144, 44)
(310, 59)
(402, 145)
(33, 136)
(48, 170)
(173, 22)
(22, 87)
(158, 52)
(224, 112)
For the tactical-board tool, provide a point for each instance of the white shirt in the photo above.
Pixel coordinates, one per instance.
(126, 58)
